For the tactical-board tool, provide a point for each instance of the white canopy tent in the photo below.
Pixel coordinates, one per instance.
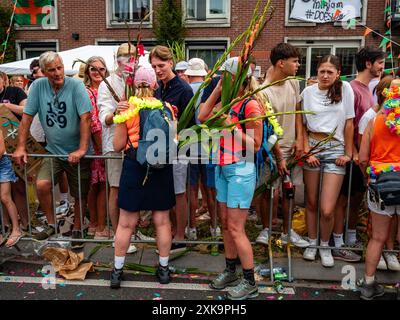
(109, 54)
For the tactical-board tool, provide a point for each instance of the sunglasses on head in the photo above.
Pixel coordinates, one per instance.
(93, 69)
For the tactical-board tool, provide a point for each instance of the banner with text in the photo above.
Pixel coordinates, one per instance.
(323, 11)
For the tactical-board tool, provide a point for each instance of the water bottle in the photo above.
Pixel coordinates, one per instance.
(214, 250)
(272, 140)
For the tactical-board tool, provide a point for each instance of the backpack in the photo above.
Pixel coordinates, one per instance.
(268, 130)
(156, 123)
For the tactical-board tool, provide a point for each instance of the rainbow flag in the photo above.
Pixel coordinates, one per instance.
(31, 12)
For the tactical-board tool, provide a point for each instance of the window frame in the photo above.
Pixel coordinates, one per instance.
(115, 24)
(200, 44)
(212, 20)
(297, 23)
(34, 27)
(329, 42)
(21, 51)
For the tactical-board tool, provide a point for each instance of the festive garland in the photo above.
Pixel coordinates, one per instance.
(374, 171)
(137, 104)
(391, 108)
(272, 119)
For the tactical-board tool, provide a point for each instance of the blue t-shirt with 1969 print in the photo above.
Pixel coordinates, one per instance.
(59, 114)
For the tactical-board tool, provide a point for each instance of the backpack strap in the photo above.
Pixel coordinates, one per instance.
(241, 115)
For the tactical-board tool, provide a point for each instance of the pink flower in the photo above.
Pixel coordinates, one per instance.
(140, 49)
(129, 81)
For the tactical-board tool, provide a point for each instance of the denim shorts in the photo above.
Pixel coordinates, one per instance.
(387, 211)
(210, 175)
(7, 173)
(197, 171)
(335, 150)
(235, 184)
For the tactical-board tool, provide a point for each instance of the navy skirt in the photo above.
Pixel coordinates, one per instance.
(156, 194)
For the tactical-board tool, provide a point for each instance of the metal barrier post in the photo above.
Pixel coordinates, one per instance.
(80, 198)
(348, 201)
(53, 197)
(291, 200)
(27, 202)
(321, 172)
(271, 208)
(107, 195)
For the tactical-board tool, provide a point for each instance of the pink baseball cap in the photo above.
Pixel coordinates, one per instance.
(146, 75)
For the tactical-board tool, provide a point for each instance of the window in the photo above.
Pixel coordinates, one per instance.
(209, 51)
(128, 10)
(27, 50)
(313, 51)
(207, 11)
(294, 22)
(36, 15)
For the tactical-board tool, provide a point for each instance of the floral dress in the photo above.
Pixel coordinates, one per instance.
(97, 165)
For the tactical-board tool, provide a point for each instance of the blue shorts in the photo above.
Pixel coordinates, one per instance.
(235, 184)
(210, 175)
(335, 149)
(7, 173)
(197, 171)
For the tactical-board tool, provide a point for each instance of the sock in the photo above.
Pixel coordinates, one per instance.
(324, 243)
(248, 274)
(231, 264)
(338, 238)
(351, 237)
(64, 196)
(313, 242)
(369, 280)
(163, 261)
(119, 262)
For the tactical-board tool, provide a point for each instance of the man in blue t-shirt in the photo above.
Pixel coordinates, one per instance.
(63, 107)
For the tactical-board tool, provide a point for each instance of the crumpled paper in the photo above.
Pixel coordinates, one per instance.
(299, 221)
(68, 263)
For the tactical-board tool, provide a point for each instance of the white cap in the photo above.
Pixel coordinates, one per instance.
(196, 67)
(181, 66)
(231, 65)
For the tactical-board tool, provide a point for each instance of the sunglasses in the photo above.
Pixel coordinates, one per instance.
(92, 69)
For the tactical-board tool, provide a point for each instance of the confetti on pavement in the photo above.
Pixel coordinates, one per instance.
(80, 294)
(20, 284)
(271, 298)
(157, 295)
(280, 298)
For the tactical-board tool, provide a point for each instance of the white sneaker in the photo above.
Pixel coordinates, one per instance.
(326, 257)
(131, 249)
(263, 237)
(295, 239)
(392, 262)
(216, 233)
(382, 264)
(191, 233)
(310, 254)
(143, 237)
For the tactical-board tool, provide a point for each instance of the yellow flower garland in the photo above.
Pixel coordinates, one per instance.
(137, 104)
(272, 119)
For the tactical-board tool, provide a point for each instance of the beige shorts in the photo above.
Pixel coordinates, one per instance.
(114, 168)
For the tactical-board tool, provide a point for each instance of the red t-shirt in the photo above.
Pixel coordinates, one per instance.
(228, 149)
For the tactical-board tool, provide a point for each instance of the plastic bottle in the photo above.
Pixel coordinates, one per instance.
(273, 138)
(214, 250)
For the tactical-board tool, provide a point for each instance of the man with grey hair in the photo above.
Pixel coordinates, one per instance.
(63, 106)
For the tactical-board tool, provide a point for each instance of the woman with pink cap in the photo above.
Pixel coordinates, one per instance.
(157, 194)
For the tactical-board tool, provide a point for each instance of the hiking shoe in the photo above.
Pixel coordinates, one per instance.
(345, 255)
(391, 261)
(310, 254)
(76, 234)
(45, 233)
(244, 290)
(326, 257)
(382, 264)
(163, 275)
(370, 291)
(263, 237)
(116, 278)
(225, 279)
(295, 239)
(191, 233)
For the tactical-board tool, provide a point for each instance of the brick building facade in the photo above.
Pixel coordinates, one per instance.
(211, 25)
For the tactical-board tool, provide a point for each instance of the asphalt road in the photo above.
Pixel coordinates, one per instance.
(22, 281)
